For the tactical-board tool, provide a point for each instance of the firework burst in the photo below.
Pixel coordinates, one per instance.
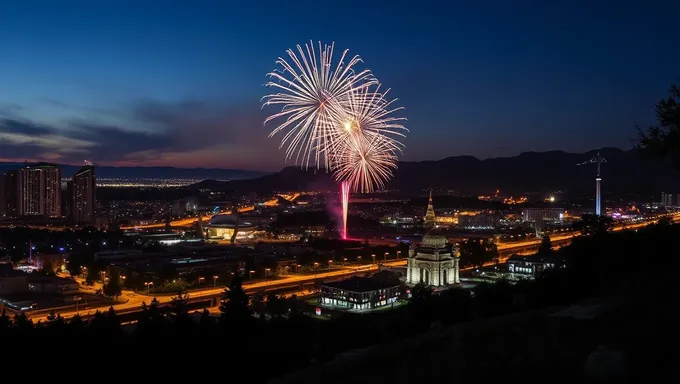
(308, 87)
(366, 162)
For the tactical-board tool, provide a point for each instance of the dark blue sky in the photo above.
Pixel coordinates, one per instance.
(179, 82)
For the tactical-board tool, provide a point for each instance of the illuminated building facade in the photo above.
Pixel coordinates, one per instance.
(430, 218)
(223, 227)
(555, 215)
(434, 263)
(84, 195)
(39, 190)
(359, 294)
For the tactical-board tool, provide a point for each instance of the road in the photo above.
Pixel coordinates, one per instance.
(135, 299)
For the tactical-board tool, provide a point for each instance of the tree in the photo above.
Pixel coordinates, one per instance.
(476, 253)
(92, 274)
(545, 248)
(258, 303)
(180, 312)
(234, 304)
(47, 269)
(276, 306)
(662, 140)
(113, 287)
(593, 225)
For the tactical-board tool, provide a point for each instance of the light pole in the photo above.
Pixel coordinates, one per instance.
(215, 281)
(398, 254)
(386, 254)
(251, 275)
(148, 286)
(200, 280)
(373, 256)
(330, 262)
(316, 268)
(266, 272)
(77, 299)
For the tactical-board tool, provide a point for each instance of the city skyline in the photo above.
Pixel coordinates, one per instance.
(123, 85)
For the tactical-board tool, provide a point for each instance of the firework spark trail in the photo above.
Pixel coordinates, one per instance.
(308, 86)
(368, 162)
(367, 139)
(344, 187)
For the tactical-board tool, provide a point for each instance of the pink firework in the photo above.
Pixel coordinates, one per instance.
(344, 187)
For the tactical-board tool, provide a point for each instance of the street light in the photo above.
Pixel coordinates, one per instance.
(266, 272)
(251, 275)
(215, 281)
(148, 285)
(200, 280)
(330, 262)
(316, 267)
(77, 299)
(373, 256)
(386, 254)
(398, 254)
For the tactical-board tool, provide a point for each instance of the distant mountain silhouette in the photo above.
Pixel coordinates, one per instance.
(151, 172)
(624, 172)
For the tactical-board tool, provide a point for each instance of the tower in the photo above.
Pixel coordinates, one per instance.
(430, 218)
(599, 160)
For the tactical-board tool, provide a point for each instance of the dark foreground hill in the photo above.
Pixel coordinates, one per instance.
(625, 171)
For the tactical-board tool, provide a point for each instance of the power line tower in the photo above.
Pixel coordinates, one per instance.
(599, 160)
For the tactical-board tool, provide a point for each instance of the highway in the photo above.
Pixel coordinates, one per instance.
(135, 299)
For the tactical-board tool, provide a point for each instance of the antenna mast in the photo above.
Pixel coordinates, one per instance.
(599, 160)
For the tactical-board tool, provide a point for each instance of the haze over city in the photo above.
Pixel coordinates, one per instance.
(124, 84)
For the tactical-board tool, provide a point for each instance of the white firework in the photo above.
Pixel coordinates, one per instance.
(309, 86)
(365, 111)
(366, 161)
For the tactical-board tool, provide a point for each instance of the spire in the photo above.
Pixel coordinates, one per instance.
(429, 215)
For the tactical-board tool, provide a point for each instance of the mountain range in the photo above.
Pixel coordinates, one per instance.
(625, 172)
(110, 172)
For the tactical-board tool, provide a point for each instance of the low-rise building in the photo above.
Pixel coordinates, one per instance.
(52, 284)
(529, 266)
(359, 294)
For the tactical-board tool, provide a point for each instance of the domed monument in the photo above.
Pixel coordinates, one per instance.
(434, 263)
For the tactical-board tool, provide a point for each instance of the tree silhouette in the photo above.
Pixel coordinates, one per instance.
(545, 248)
(593, 225)
(180, 312)
(234, 305)
(258, 303)
(92, 274)
(276, 306)
(113, 287)
(47, 269)
(662, 140)
(476, 253)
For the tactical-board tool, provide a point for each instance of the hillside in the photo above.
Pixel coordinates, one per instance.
(528, 172)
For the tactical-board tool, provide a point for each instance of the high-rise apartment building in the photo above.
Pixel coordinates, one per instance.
(83, 195)
(667, 199)
(39, 190)
(9, 191)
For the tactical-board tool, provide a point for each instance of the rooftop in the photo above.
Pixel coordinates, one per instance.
(359, 284)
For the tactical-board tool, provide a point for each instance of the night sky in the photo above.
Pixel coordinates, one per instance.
(179, 82)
